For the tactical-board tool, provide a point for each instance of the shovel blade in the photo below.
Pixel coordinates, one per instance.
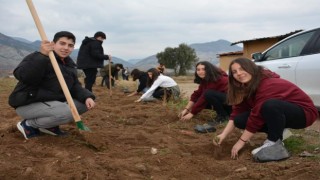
(81, 126)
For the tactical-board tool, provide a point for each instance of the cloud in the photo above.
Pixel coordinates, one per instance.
(140, 28)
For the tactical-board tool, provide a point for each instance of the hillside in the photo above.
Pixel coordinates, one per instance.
(205, 51)
(13, 49)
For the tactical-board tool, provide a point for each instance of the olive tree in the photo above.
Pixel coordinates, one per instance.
(180, 59)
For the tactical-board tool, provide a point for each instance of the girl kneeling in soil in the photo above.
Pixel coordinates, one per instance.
(143, 78)
(263, 102)
(211, 93)
(158, 83)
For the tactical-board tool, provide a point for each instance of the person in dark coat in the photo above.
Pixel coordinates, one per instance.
(91, 57)
(38, 97)
(115, 68)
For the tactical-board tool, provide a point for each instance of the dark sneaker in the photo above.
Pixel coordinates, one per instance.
(27, 131)
(218, 120)
(54, 131)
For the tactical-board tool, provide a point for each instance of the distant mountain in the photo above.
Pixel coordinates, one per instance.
(121, 61)
(208, 51)
(11, 53)
(205, 51)
(14, 49)
(134, 61)
(22, 40)
(147, 63)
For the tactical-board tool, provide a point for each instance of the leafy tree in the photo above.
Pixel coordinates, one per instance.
(179, 59)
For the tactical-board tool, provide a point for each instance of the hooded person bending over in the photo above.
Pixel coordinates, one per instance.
(142, 78)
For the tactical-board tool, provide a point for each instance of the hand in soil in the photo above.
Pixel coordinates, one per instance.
(215, 141)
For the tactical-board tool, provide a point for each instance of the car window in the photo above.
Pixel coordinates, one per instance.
(289, 48)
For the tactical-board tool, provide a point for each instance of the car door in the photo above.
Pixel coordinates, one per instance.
(285, 68)
(308, 69)
(284, 57)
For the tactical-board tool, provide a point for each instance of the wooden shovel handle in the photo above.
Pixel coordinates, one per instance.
(110, 78)
(54, 63)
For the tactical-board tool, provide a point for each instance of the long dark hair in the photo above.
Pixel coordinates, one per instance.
(213, 73)
(237, 91)
(155, 75)
(136, 73)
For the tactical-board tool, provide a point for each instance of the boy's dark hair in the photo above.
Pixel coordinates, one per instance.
(66, 34)
(100, 34)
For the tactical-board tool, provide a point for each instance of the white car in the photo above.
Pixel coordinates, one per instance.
(297, 59)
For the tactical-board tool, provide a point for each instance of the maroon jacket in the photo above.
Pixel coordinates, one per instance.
(275, 88)
(197, 96)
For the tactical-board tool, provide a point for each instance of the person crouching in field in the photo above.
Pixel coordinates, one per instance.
(211, 93)
(115, 68)
(263, 102)
(157, 84)
(143, 78)
(38, 97)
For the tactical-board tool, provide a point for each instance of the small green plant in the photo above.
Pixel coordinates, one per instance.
(178, 104)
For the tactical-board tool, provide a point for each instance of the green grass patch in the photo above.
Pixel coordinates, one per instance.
(295, 144)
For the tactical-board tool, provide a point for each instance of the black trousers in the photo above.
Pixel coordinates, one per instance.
(107, 81)
(218, 101)
(278, 115)
(103, 80)
(90, 78)
(158, 93)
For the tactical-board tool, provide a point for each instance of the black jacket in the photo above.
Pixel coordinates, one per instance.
(91, 54)
(38, 81)
(143, 78)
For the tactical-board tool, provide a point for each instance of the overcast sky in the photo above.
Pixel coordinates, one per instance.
(139, 28)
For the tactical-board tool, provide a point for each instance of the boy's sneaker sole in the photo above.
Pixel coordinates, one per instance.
(27, 131)
(47, 132)
(21, 129)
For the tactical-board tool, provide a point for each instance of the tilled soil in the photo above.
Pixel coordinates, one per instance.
(120, 142)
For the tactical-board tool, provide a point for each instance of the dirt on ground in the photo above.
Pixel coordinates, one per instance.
(131, 140)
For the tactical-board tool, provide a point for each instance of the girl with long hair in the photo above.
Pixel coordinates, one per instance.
(159, 83)
(211, 93)
(263, 102)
